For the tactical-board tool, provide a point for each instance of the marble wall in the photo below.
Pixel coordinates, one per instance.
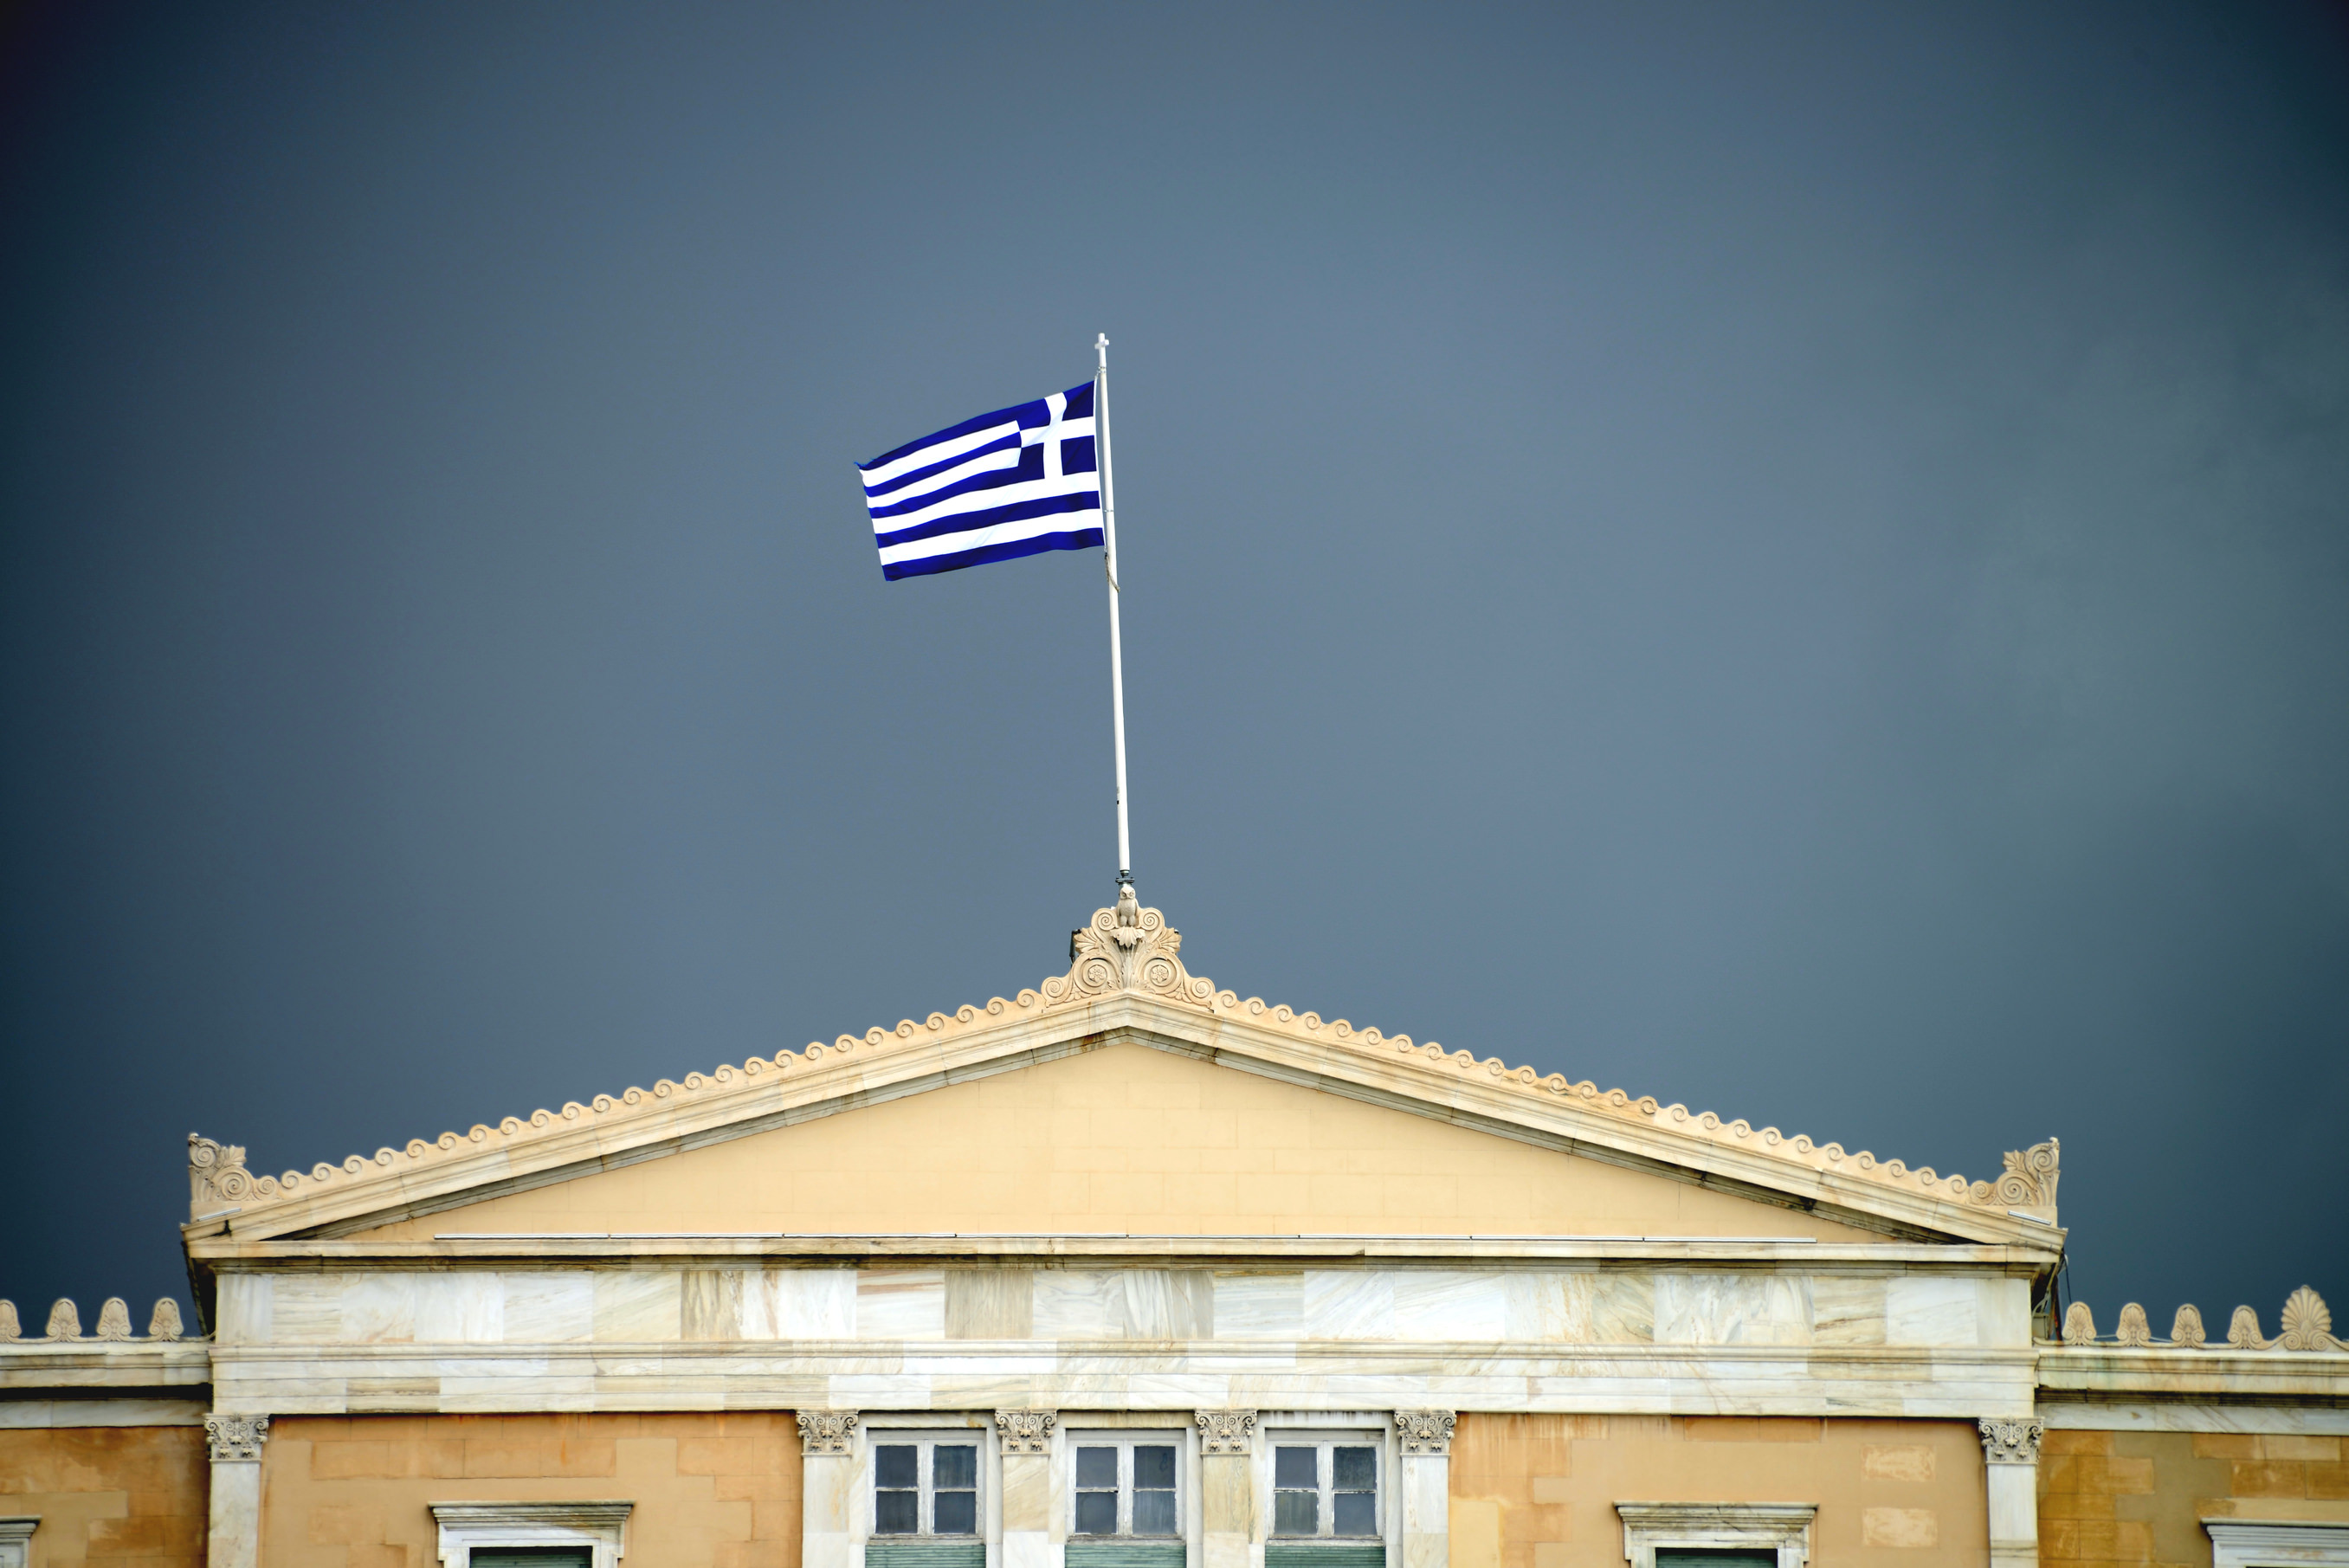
(901, 1306)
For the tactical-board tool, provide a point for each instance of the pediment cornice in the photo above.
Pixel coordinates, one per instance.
(1125, 982)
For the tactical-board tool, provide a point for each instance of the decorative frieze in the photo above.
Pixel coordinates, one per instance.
(1025, 1431)
(1227, 1431)
(1424, 1431)
(2307, 1326)
(236, 1438)
(2011, 1441)
(827, 1431)
(113, 1321)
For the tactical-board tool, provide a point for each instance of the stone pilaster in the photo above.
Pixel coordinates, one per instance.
(1228, 1523)
(827, 1489)
(1025, 1450)
(234, 1538)
(2010, 1457)
(1423, 1441)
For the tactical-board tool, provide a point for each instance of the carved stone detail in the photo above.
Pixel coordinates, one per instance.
(830, 1432)
(1227, 1431)
(2029, 1181)
(114, 1319)
(217, 1178)
(2079, 1324)
(2307, 1327)
(1026, 1431)
(2185, 1328)
(9, 1328)
(165, 1323)
(236, 1438)
(1126, 948)
(2307, 1322)
(2133, 1330)
(2010, 1442)
(1424, 1431)
(65, 1319)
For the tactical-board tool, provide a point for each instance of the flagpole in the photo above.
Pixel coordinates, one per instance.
(1109, 559)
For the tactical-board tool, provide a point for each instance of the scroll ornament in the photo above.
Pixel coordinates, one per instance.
(236, 1438)
(1424, 1431)
(1227, 1431)
(1026, 1431)
(828, 1432)
(1128, 948)
(65, 1319)
(2010, 1442)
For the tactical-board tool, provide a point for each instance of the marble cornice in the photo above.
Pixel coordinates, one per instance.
(1125, 984)
(101, 1364)
(230, 1253)
(2118, 1372)
(1677, 1380)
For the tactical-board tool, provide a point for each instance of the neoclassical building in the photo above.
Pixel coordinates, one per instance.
(1126, 1271)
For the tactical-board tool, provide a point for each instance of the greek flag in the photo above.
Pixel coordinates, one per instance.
(1017, 481)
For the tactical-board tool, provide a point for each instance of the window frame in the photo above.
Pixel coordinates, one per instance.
(1323, 1441)
(1125, 1439)
(464, 1528)
(2269, 1543)
(1783, 1528)
(17, 1539)
(926, 1441)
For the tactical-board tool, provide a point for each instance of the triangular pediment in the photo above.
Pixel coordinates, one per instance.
(1124, 1139)
(1111, 1099)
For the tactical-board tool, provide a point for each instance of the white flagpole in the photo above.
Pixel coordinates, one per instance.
(1109, 559)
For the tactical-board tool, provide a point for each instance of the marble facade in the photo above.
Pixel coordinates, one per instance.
(1126, 1201)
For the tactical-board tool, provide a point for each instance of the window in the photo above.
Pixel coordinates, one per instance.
(926, 1487)
(2240, 1543)
(1327, 1489)
(1125, 1487)
(531, 1557)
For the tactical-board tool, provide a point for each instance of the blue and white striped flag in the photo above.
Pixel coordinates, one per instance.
(1017, 481)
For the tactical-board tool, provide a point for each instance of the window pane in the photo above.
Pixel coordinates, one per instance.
(1357, 1513)
(1356, 1469)
(1097, 1513)
(1153, 1513)
(1097, 1467)
(894, 1465)
(1154, 1466)
(1294, 1467)
(956, 1465)
(896, 1512)
(955, 1512)
(1296, 1513)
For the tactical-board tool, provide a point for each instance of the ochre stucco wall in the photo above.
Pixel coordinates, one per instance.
(109, 1494)
(1129, 1138)
(1539, 1491)
(2139, 1498)
(713, 1491)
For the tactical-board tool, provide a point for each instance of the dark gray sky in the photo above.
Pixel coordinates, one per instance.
(1791, 558)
